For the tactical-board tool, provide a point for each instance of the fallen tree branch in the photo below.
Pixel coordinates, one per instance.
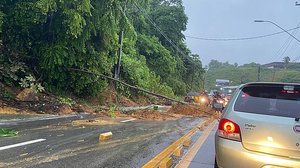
(126, 84)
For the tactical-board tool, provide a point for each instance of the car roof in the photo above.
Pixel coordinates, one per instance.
(268, 83)
(230, 87)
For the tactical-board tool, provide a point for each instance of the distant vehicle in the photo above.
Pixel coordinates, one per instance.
(222, 82)
(260, 128)
(212, 92)
(192, 97)
(204, 99)
(228, 91)
(195, 97)
(217, 101)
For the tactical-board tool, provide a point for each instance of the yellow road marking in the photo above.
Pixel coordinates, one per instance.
(186, 161)
(169, 151)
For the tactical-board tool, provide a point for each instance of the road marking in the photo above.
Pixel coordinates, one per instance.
(21, 144)
(24, 154)
(169, 151)
(125, 121)
(186, 161)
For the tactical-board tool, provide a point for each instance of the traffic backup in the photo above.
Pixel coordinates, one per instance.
(260, 128)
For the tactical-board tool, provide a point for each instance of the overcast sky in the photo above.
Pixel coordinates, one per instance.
(234, 19)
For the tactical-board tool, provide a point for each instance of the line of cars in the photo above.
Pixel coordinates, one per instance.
(217, 99)
(260, 127)
(221, 98)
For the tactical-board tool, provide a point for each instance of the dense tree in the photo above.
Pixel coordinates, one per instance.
(194, 79)
(170, 17)
(214, 64)
(46, 38)
(286, 60)
(158, 58)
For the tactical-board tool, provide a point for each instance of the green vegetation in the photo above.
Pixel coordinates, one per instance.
(40, 40)
(112, 111)
(6, 132)
(66, 101)
(6, 95)
(30, 82)
(249, 73)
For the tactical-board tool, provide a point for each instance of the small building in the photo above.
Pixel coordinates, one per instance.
(273, 65)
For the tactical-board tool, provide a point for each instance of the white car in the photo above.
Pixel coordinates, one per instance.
(260, 128)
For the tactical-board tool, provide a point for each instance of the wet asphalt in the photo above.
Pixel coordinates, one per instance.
(205, 157)
(133, 143)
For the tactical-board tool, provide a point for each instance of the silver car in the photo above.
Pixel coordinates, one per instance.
(260, 128)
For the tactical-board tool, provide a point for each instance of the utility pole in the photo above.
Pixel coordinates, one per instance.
(241, 79)
(120, 51)
(204, 78)
(258, 73)
(274, 73)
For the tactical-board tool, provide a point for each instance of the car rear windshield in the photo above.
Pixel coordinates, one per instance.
(275, 100)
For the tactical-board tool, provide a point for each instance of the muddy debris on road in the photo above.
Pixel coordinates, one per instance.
(93, 122)
(150, 114)
(175, 112)
(191, 110)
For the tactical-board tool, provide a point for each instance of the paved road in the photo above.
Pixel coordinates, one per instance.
(202, 153)
(56, 143)
(205, 157)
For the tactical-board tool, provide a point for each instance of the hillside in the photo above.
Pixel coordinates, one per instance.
(42, 42)
(249, 73)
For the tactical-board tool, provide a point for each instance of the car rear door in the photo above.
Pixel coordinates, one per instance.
(268, 118)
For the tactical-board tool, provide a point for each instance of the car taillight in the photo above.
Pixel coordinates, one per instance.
(229, 130)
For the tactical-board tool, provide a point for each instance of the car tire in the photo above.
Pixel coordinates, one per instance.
(216, 164)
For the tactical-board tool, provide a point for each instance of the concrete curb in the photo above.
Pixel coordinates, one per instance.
(162, 160)
(186, 160)
(105, 136)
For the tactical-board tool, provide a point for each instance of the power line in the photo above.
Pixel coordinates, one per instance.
(240, 38)
(283, 49)
(286, 45)
(141, 9)
(296, 59)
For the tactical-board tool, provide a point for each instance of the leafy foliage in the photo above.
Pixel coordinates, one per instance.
(6, 95)
(7, 132)
(112, 111)
(1, 20)
(139, 74)
(47, 38)
(158, 58)
(66, 101)
(30, 82)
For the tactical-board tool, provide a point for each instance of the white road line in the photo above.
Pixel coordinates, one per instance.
(21, 144)
(125, 121)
